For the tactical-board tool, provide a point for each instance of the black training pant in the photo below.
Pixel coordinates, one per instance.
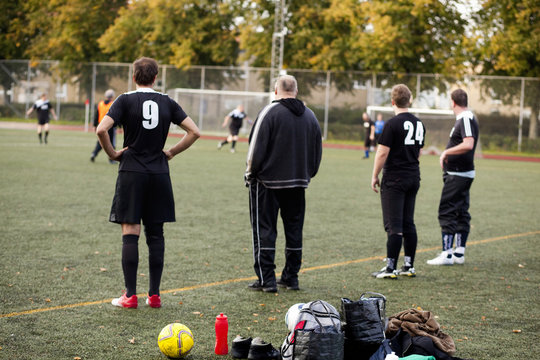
(265, 204)
(398, 199)
(454, 214)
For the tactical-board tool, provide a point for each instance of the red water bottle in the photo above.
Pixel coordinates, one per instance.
(222, 327)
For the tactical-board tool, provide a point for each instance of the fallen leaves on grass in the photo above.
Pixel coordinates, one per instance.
(272, 318)
(102, 269)
(77, 358)
(132, 340)
(521, 266)
(516, 331)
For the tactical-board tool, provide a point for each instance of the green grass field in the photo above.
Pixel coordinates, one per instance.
(60, 257)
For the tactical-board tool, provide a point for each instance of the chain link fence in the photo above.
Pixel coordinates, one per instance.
(507, 107)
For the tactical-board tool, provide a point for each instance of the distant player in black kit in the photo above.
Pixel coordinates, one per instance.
(285, 148)
(143, 188)
(369, 141)
(42, 107)
(398, 152)
(236, 118)
(457, 162)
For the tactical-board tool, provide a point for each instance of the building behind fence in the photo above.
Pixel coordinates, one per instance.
(507, 107)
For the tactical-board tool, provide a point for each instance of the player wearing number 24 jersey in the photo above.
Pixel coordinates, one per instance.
(143, 187)
(397, 156)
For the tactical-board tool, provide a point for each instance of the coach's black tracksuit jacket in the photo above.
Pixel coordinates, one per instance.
(285, 145)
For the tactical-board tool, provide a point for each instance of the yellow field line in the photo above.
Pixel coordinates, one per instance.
(231, 281)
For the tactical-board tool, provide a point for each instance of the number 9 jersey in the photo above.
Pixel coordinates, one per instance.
(404, 134)
(145, 115)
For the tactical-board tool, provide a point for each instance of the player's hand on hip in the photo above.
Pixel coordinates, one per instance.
(375, 183)
(168, 154)
(118, 154)
(443, 159)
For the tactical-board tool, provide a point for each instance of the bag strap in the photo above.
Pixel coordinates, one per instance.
(362, 297)
(311, 311)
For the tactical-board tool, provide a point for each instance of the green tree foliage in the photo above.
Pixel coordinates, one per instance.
(12, 40)
(508, 34)
(66, 30)
(177, 32)
(378, 35)
(510, 37)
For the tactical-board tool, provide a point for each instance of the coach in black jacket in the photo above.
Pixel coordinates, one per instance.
(285, 148)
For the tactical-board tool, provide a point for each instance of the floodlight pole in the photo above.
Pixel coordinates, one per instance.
(278, 40)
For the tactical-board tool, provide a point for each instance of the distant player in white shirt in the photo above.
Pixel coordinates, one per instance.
(236, 118)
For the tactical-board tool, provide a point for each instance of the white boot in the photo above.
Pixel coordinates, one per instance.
(444, 258)
(459, 255)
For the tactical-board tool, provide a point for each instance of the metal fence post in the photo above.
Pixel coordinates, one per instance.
(130, 77)
(201, 99)
(164, 79)
(326, 106)
(92, 95)
(521, 100)
(27, 90)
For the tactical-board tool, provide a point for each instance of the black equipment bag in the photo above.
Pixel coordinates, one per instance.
(365, 319)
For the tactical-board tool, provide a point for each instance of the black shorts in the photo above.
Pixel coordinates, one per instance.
(141, 196)
(43, 120)
(398, 199)
(234, 129)
(368, 142)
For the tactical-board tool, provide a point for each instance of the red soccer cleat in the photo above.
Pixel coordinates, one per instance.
(154, 301)
(126, 302)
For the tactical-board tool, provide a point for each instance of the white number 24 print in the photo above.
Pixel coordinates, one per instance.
(150, 113)
(418, 135)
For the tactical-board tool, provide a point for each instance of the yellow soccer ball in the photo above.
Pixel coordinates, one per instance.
(175, 340)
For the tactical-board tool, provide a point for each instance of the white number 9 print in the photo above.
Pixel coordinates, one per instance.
(150, 113)
(418, 134)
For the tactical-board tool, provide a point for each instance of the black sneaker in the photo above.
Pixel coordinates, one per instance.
(258, 287)
(289, 284)
(240, 347)
(260, 350)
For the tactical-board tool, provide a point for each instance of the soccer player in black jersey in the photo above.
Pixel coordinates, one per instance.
(397, 156)
(143, 187)
(457, 162)
(42, 107)
(236, 118)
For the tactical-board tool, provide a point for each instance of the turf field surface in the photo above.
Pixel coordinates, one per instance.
(61, 258)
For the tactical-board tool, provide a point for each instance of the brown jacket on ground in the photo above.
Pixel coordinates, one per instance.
(420, 323)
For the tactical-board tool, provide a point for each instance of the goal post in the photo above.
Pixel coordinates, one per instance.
(438, 124)
(208, 107)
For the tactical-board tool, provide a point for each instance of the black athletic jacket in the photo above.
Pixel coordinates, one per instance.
(285, 146)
